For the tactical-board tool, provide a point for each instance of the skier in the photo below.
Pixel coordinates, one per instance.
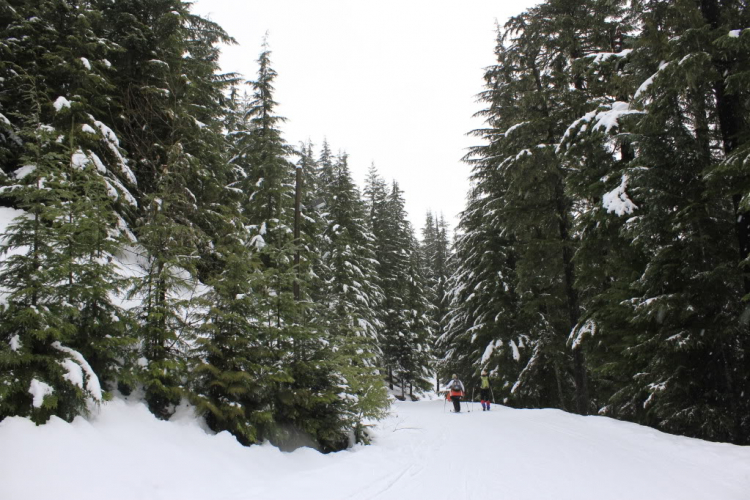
(484, 391)
(456, 389)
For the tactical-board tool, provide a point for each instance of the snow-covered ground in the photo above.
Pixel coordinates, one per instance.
(420, 452)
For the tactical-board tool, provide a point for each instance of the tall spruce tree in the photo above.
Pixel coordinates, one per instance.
(300, 373)
(50, 245)
(674, 287)
(480, 323)
(351, 294)
(170, 118)
(524, 187)
(435, 251)
(72, 182)
(406, 328)
(230, 356)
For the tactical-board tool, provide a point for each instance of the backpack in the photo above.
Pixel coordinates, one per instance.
(457, 386)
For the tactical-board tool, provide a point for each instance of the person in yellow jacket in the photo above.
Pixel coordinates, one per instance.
(484, 391)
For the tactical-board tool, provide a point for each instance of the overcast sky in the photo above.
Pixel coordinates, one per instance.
(390, 82)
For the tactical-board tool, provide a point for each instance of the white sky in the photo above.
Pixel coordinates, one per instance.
(390, 82)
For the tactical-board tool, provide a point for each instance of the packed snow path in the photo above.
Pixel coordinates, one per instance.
(420, 452)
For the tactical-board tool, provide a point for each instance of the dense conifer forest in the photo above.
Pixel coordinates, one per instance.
(169, 243)
(602, 262)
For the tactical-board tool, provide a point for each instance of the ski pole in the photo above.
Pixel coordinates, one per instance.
(472, 399)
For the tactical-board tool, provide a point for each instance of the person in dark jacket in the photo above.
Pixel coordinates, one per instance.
(455, 391)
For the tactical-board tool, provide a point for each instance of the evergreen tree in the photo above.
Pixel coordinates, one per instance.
(352, 296)
(170, 119)
(435, 251)
(300, 375)
(416, 353)
(41, 375)
(483, 306)
(522, 185)
(602, 203)
(675, 275)
(230, 354)
(406, 328)
(520, 209)
(72, 181)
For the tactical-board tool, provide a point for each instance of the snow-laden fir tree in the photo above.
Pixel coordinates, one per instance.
(42, 376)
(435, 252)
(226, 356)
(479, 328)
(523, 184)
(72, 185)
(170, 119)
(416, 354)
(405, 336)
(350, 296)
(300, 374)
(607, 202)
(229, 358)
(672, 339)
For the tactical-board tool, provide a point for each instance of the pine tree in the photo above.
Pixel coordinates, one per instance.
(676, 276)
(41, 375)
(416, 359)
(522, 183)
(230, 355)
(170, 119)
(611, 147)
(71, 164)
(406, 328)
(521, 203)
(300, 372)
(326, 175)
(352, 296)
(483, 306)
(435, 252)
(313, 213)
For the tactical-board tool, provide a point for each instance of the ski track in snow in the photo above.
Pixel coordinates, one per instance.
(124, 453)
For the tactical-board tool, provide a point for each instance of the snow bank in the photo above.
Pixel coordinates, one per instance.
(125, 453)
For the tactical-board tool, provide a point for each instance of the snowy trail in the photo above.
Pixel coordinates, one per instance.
(535, 454)
(124, 453)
